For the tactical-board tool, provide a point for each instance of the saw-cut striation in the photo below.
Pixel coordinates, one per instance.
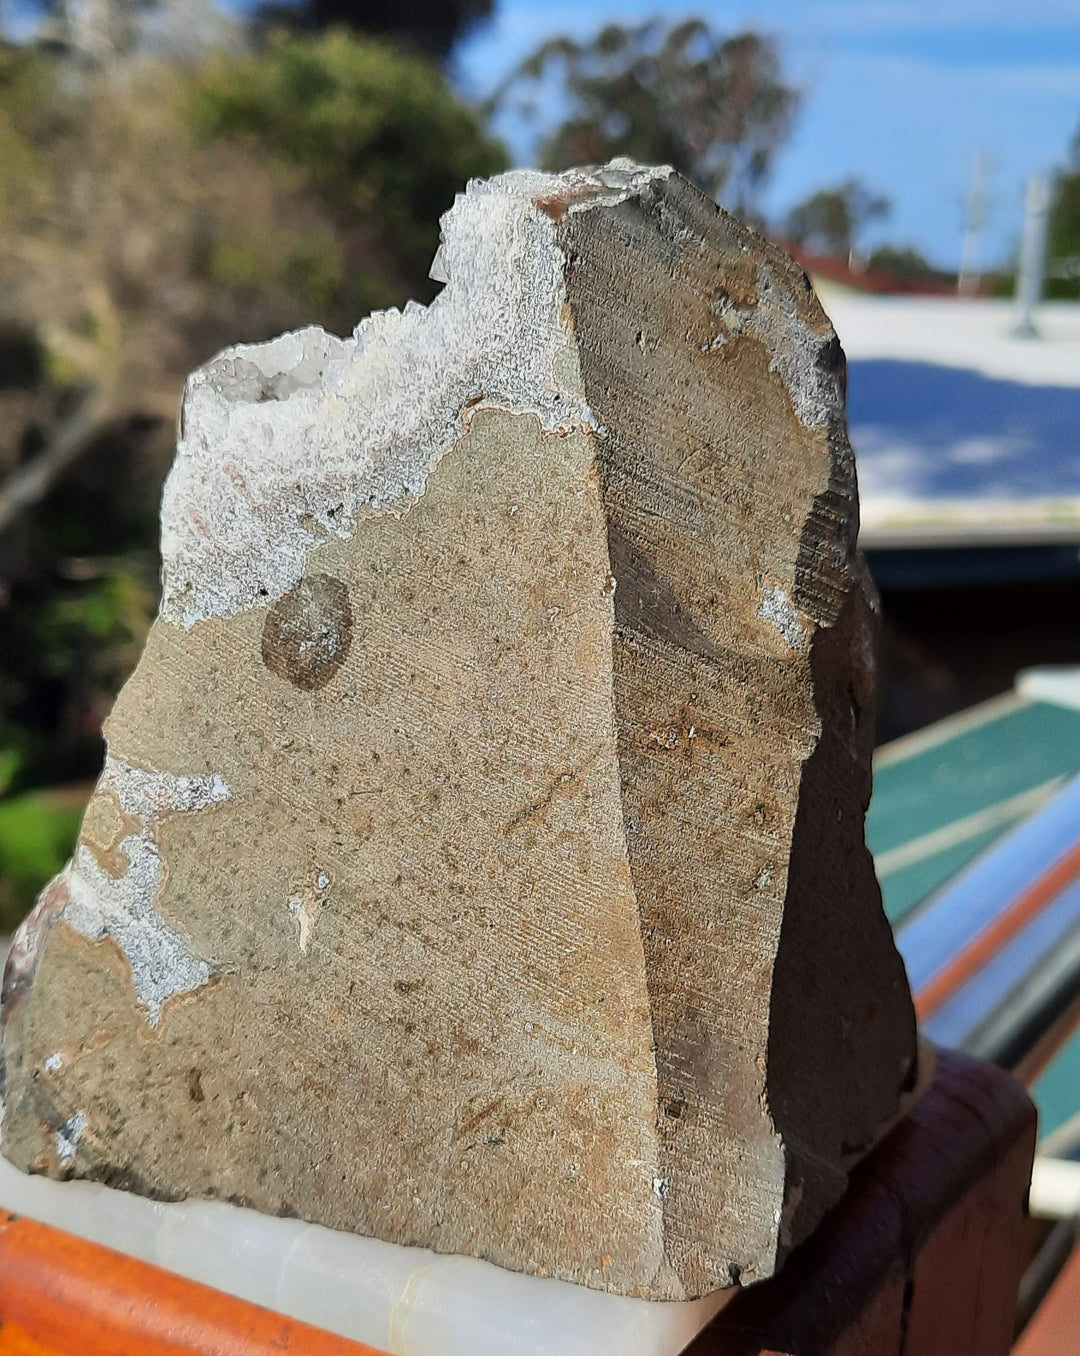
(479, 858)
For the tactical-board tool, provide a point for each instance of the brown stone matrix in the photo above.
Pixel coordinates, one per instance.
(479, 859)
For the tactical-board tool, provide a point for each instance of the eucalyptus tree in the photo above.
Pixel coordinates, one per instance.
(715, 106)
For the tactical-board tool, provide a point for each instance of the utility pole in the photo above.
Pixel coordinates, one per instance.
(1029, 279)
(967, 282)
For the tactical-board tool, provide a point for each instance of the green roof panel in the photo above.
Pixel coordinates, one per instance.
(946, 794)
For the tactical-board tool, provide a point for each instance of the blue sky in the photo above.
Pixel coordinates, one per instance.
(902, 94)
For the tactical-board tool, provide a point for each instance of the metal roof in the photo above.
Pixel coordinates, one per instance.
(975, 829)
(964, 433)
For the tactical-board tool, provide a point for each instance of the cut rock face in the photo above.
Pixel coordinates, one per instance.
(479, 862)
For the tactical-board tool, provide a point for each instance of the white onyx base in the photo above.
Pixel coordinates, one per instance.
(404, 1301)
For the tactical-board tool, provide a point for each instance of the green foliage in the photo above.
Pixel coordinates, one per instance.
(381, 136)
(901, 262)
(20, 99)
(103, 616)
(312, 266)
(10, 762)
(1063, 242)
(134, 250)
(716, 108)
(418, 24)
(37, 834)
(72, 636)
(831, 220)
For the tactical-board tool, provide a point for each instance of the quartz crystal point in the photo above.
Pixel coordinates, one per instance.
(478, 862)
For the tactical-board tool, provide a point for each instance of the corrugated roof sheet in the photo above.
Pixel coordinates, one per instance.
(943, 798)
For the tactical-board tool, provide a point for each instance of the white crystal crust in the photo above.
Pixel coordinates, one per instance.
(285, 443)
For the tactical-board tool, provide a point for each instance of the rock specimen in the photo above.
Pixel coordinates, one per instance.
(478, 861)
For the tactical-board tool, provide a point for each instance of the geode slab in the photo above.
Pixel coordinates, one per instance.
(478, 861)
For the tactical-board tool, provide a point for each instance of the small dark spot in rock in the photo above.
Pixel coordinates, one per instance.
(195, 1087)
(308, 631)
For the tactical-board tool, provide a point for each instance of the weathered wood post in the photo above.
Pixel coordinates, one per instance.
(478, 861)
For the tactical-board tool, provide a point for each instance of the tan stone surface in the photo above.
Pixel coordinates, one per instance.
(479, 860)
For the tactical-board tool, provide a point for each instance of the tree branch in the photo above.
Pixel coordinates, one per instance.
(70, 439)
